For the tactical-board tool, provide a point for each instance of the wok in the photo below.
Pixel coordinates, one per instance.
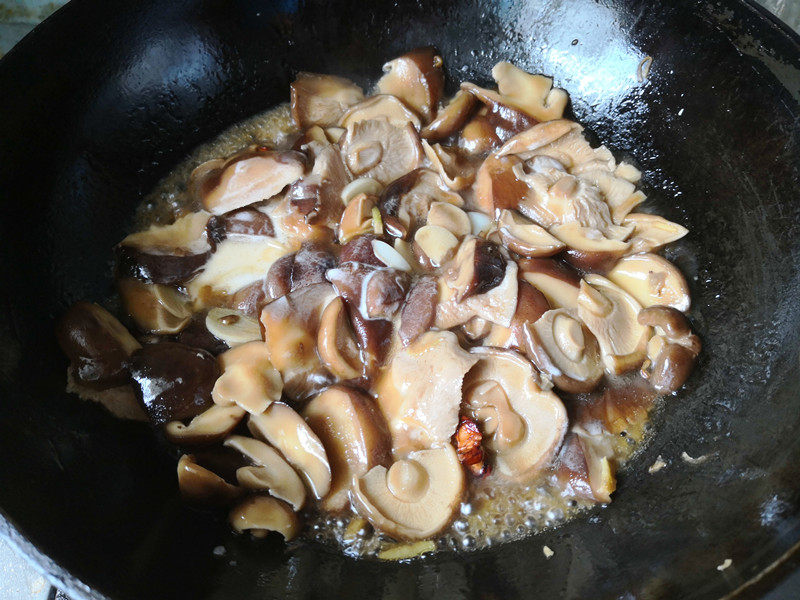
(105, 97)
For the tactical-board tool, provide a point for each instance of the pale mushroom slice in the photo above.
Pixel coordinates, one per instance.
(154, 308)
(262, 514)
(354, 435)
(533, 94)
(377, 149)
(416, 497)
(522, 425)
(588, 248)
(417, 79)
(651, 232)
(248, 378)
(611, 313)
(336, 342)
(250, 176)
(419, 392)
(166, 254)
(268, 471)
(652, 280)
(620, 194)
(526, 237)
(381, 105)
(291, 326)
(498, 305)
(451, 118)
(531, 305)
(563, 348)
(208, 427)
(284, 429)
(539, 136)
(451, 217)
(409, 198)
(316, 198)
(321, 99)
(559, 283)
(455, 173)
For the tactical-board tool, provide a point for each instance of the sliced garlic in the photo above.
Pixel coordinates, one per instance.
(232, 327)
(389, 256)
(362, 185)
(479, 222)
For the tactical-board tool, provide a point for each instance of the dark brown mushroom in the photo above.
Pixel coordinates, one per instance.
(97, 345)
(208, 477)
(477, 267)
(451, 118)
(496, 185)
(417, 79)
(166, 254)
(321, 99)
(419, 310)
(531, 305)
(558, 282)
(172, 381)
(245, 222)
(672, 351)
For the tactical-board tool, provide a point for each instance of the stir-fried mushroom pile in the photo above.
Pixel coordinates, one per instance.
(377, 313)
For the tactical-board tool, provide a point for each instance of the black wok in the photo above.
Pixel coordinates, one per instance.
(106, 96)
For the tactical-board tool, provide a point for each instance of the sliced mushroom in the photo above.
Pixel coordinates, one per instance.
(284, 429)
(97, 345)
(419, 392)
(419, 310)
(457, 174)
(652, 280)
(611, 313)
(409, 198)
(450, 217)
(200, 485)
(377, 149)
(588, 248)
(374, 338)
(583, 472)
(672, 351)
(497, 186)
(434, 245)
(245, 222)
(232, 327)
(522, 425)
(559, 283)
(531, 305)
(498, 305)
(381, 105)
(166, 254)
(316, 198)
(533, 94)
(154, 308)
(206, 428)
(377, 293)
(251, 384)
(477, 268)
(620, 194)
(651, 232)
(172, 381)
(451, 118)
(235, 265)
(563, 348)
(268, 471)
(493, 124)
(305, 267)
(538, 138)
(354, 435)
(291, 326)
(321, 99)
(417, 79)
(416, 497)
(526, 237)
(336, 342)
(262, 514)
(250, 176)
(356, 218)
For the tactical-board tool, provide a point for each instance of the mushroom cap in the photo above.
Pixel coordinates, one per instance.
(269, 471)
(336, 341)
(250, 176)
(262, 514)
(417, 79)
(498, 305)
(525, 237)
(375, 148)
(534, 94)
(562, 347)
(652, 280)
(451, 118)
(416, 497)
(559, 283)
(232, 326)
(321, 99)
(409, 198)
(611, 313)
(284, 429)
(380, 105)
(206, 428)
(154, 308)
(523, 425)
(198, 484)
(588, 248)
(354, 435)
(419, 392)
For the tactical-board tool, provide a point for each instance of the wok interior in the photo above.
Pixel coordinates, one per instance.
(107, 99)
